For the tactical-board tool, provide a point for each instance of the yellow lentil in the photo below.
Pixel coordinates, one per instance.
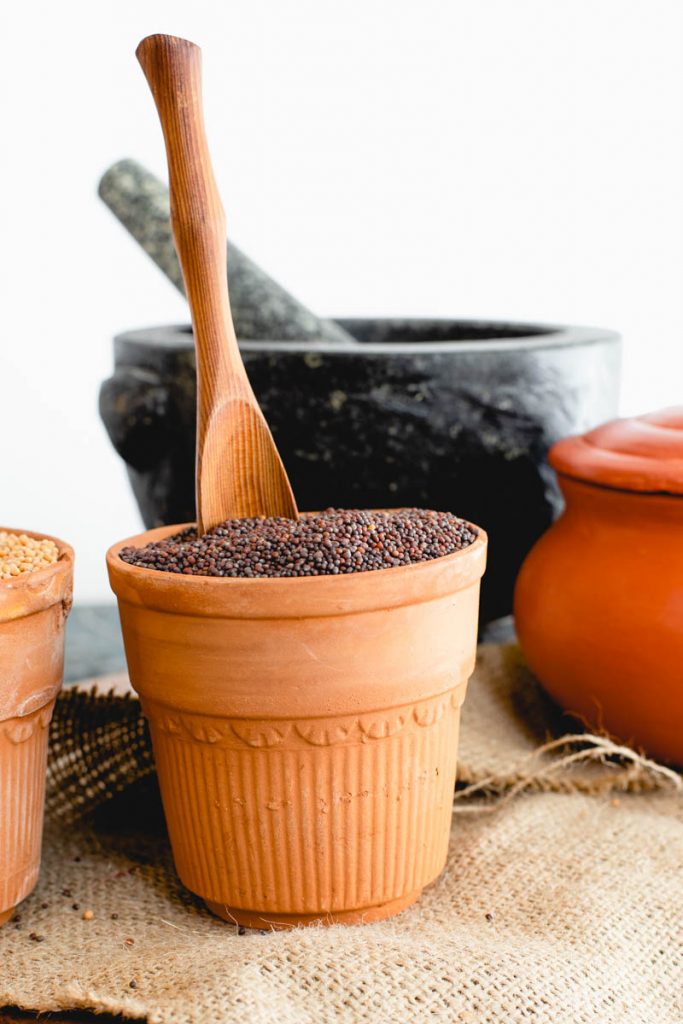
(20, 554)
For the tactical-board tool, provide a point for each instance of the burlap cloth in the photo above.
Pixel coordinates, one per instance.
(562, 899)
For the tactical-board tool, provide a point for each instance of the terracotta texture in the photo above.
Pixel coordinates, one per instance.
(33, 610)
(599, 600)
(305, 730)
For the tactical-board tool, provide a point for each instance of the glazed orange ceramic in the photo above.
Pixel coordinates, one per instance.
(305, 730)
(33, 610)
(599, 600)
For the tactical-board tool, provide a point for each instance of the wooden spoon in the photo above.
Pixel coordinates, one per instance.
(239, 472)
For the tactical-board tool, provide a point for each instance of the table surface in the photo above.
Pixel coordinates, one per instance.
(93, 642)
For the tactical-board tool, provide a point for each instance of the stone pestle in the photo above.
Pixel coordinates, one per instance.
(261, 308)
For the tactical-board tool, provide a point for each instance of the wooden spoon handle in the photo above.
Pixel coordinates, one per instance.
(239, 472)
(172, 67)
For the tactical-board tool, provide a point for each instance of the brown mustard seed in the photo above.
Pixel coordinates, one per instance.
(133, 983)
(331, 543)
(114, 916)
(20, 553)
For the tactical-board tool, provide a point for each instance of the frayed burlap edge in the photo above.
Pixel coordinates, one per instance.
(550, 768)
(515, 739)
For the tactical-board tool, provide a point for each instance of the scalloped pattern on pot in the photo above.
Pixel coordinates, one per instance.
(23, 758)
(19, 730)
(317, 732)
(313, 816)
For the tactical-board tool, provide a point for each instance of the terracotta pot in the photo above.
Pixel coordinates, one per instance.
(599, 600)
(33, 610)
(305, 730)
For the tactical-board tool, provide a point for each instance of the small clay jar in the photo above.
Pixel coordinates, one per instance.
(33, 610)
(305, 730)
(599, 600)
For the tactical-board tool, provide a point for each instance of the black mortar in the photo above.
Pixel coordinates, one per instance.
(443, 414)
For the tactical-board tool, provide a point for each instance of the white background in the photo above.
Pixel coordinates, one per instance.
(502, 158)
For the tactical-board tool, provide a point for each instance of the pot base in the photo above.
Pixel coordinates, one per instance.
(5, 915)
(278, 922)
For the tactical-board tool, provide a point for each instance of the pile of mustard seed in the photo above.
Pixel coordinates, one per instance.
(20, 554)
(330, 543)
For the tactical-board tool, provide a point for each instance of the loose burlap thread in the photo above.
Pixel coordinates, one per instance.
(563, 905)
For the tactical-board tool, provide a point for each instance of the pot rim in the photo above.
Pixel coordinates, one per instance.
(290, 597)
(540, 336)
(633, 492)
(31, 592)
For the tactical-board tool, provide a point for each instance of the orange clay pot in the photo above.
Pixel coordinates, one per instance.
(305, 730)
(599, 600)
(33, 610)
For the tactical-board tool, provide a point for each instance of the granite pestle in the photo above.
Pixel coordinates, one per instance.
(261, 308)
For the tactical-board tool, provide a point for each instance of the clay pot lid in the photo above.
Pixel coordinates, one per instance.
(644, 453)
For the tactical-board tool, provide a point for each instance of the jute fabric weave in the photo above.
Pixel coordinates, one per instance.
(561, 903)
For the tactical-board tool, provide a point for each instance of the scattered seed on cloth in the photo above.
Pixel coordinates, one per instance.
(331, 543)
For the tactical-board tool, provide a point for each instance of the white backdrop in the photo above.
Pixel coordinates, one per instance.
(384, 157)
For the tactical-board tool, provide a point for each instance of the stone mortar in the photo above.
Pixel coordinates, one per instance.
(443, 414)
